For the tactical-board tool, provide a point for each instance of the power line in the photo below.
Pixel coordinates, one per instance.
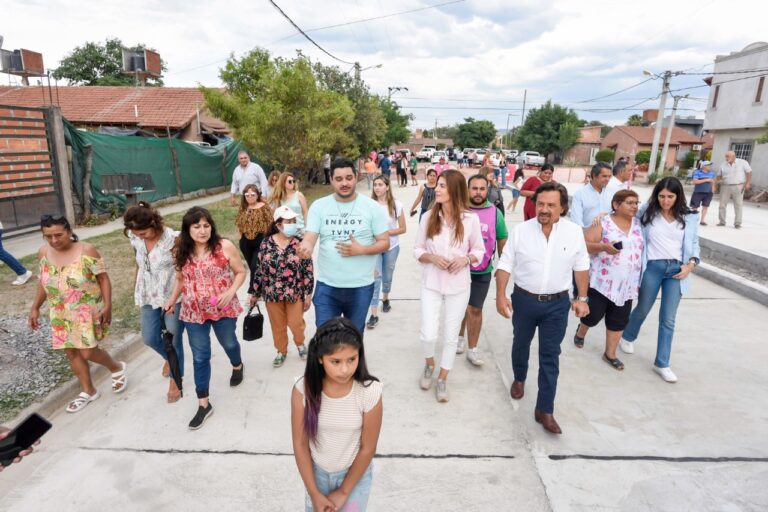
(727, 72)
(615, 93)
(306, 36)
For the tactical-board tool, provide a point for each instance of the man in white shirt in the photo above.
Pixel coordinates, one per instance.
(542, 255)
(245, 174)
(621, 179)
(592, 199)
(734, 178)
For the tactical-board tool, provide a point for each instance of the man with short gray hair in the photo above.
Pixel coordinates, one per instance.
(734, 177)
(245, 174)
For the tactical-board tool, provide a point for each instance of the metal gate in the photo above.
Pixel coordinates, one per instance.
(29, 181)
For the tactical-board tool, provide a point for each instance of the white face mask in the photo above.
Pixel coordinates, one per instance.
(290, 230)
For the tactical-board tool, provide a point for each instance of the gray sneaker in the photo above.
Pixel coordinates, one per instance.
(474, 357)
(442, 390)
(462, 345)
(302, 351)
(426, 378)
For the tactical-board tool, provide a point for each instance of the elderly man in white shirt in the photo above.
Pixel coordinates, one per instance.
(245, 174)
(542, 255)
(593, 198)
(621, 179)
(734, 178)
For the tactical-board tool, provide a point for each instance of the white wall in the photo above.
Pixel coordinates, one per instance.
(759, 160)
(736, 107)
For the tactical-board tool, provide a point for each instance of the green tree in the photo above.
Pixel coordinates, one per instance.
(277, 107)
(474, 133)
(567, 136)
(99, 64)
(397, 123)
(764, 138)
(542, 129)
(635, 120)
(644, 157)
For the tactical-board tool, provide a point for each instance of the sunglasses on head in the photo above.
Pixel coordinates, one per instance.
(51, 217)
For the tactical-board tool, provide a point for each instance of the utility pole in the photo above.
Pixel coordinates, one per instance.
(506, 134)
(659, 121)
(670, 128)
(525, 97)
(357, 72)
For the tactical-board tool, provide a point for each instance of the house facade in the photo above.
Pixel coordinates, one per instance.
(583, 153)
(627, 141)
(737, 109)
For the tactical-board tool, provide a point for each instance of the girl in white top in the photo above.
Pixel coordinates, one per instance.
(336, 416)
(385, 262)
(286, 193)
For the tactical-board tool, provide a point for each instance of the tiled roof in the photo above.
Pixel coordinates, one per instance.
(157, 107)
(590, 135)
(644, 135)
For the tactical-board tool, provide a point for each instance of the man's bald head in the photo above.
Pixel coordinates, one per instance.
(730, 156)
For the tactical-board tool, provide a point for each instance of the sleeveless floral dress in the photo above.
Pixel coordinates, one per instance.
(74, 298)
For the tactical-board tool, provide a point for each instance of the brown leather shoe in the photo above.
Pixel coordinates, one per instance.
(517, 390)
(547, 421)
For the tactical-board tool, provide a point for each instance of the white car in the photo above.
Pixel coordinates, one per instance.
(425, 154)
(531, 158)
(437, 155)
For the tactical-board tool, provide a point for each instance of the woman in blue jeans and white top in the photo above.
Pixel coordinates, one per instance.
(153, 243)
(671, 233)
(385, 262)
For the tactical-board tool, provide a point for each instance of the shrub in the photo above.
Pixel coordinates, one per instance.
(653, 178)
(644, 157)
(690, 159)
(708, 156)
(605, 155)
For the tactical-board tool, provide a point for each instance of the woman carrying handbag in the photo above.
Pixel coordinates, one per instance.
(285, 282)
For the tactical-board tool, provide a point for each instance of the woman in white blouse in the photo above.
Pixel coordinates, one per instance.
(153, 243)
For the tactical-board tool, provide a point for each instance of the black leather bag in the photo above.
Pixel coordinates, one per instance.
(253, 324)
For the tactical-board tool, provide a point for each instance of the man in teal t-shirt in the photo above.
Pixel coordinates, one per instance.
(353, 230)
(495, 235)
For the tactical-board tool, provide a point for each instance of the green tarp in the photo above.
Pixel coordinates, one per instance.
(197, 167)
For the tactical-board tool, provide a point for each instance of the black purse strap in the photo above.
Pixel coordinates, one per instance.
(258, 309)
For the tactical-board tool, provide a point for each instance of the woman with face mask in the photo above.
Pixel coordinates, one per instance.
(285, 282)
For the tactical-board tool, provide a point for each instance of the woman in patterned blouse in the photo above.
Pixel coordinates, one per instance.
(285, 282)
(252, 221)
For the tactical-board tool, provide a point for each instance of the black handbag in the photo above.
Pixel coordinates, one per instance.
(253, 324)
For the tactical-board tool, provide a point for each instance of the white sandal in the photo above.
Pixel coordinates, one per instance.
(81, 401)
(120, 379)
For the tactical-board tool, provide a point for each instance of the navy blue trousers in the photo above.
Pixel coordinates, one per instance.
(551, 318)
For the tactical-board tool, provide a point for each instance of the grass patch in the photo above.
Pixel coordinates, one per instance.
(10, 406)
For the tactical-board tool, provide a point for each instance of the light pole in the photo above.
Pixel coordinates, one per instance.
(392, 90)
(358, 70)
(670, 127)
(659, 119)
(506, 134)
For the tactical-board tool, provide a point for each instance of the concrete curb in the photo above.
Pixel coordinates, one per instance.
(733, 282)
(738, 258)
(57, 399)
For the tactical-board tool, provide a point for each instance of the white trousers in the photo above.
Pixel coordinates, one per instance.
(453, 314)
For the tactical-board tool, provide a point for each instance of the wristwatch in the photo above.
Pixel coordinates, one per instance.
(583, 299)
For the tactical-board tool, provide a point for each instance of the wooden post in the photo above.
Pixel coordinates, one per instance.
(223, 169)
(175, 162)
(87, 180)
(59, 152)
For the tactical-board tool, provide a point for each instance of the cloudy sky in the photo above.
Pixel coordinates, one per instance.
(463, 58)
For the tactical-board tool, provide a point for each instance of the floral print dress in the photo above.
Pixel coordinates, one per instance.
(617, 277)
(74, 297)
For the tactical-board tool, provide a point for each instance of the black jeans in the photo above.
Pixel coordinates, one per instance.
(250, 249)
(551, 319)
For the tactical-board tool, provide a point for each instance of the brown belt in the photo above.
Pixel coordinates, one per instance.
(542, 297)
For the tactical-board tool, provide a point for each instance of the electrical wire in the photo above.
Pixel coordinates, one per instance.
(713, 73)
(615, 93)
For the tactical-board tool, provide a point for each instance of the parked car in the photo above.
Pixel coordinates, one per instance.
(405, 151)
(425, 154)
(510, 154)
(480, 155)
(532, 158)
(437, 155)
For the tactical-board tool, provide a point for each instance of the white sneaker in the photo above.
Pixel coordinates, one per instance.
(462, 345)
(628, 347)
(441, 391)
(666, 373)
(426, 378)
(23, 278)
(474, 357)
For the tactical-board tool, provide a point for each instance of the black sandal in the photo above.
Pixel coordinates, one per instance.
(617, 365)
(578, 341)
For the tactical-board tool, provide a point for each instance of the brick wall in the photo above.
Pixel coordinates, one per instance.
(25, 162)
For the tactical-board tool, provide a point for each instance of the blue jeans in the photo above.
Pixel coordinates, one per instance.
(9, 260)
(200, 343)
(329, 482)
(150, 331)
(657, 276)
(503, 170)
(385, 270)
(351, 303)
(551, 319)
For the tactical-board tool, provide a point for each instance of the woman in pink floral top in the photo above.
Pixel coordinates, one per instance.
(284, 281)
(209, 271)
(615, 244)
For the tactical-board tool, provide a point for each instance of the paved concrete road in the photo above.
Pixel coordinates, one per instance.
(631, 442)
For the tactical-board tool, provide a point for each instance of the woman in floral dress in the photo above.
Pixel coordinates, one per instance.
(615, 244)
(74, 281)
(285, 282)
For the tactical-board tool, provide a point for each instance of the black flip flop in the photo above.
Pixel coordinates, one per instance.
(617, 365)
(578, 341)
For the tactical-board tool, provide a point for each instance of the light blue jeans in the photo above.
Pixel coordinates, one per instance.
(329, 482)
(150, 331)
(657, 276)
(385, 270)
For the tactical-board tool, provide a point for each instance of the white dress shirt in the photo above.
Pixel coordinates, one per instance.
(588, 203)
(252, 174)
(543, 266)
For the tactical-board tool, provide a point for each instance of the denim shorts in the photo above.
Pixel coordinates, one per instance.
(329, 482)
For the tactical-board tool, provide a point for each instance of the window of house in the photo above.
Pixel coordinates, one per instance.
(717, 93)
(759, 94)
(743, 150)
